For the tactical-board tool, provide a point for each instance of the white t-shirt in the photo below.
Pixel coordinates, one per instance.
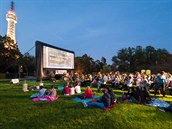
(78, 89)
(72, 91)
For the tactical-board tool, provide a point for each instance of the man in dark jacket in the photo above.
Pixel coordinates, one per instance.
(103, 102)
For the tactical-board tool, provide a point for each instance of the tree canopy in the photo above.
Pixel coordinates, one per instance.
(135, 59)
(127, 60)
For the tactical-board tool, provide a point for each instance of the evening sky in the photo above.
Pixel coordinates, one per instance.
(95, 27)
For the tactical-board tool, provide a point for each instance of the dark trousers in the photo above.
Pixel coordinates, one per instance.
(161, 88)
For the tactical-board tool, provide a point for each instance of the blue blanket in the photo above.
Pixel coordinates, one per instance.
(86, 100)
(34, 95)
(159, 103)
(60, 87)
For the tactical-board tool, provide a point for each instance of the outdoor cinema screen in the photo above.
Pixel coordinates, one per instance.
(57, 58)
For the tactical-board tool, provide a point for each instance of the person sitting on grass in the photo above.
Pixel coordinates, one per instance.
(41, 92)
(66, 90)
(103, 102)
(88, 93)
(52, 92)
(129, 82)
(145, 97)
(72, 90)
(113, 99)
(77, 88)
(132, 96)
(124, 82)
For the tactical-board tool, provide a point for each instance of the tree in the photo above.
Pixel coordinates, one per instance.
(132, 59)
(150, 53)
(103, 60)
(106, 69)
(84, 64)
(28, 63)
(10, 55)
(162, 56)
(139, 58)
(98, 65)
(121, 60)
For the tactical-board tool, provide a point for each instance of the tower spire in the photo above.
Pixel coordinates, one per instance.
(12, 6)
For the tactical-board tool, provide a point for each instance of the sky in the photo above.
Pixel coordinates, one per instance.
(93, 27)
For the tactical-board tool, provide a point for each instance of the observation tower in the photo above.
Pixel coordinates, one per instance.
(12, 20)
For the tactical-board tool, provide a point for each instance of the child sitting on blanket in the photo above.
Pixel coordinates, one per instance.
(66, 90)
(87, 93)
(72, 90)
(77, 89)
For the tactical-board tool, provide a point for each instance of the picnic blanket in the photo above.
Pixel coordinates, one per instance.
(86, 100)
(34, 95)
(45, 98)
(60, 87)
(158, 103)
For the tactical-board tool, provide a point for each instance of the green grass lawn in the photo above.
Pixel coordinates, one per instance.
(19, 112)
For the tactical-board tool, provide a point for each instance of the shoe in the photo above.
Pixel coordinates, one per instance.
(85, 104)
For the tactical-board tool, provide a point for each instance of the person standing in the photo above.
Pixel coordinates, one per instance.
(160, 83)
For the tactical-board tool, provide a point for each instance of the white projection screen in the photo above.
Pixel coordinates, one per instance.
(57, 59)
(52, 58)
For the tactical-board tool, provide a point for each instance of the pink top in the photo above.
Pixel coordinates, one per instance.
(66, 90)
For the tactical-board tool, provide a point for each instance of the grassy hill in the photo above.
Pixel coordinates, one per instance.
(19, 112)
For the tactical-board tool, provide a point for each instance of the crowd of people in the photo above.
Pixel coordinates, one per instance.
(157, 82)
(139, 85)
(136, 87)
